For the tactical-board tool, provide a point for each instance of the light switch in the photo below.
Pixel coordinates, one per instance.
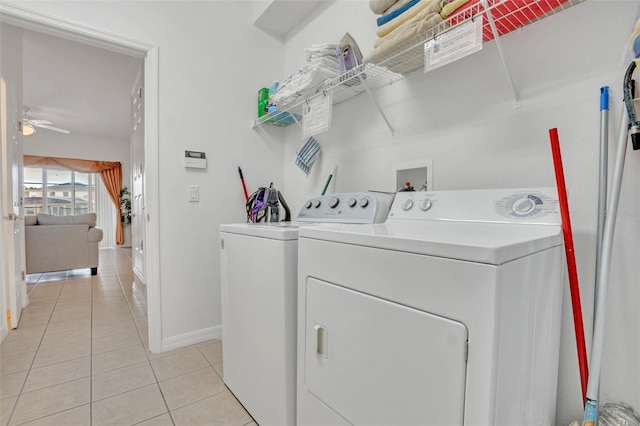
(194, 193)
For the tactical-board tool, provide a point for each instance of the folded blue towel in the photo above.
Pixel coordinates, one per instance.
(389, 16)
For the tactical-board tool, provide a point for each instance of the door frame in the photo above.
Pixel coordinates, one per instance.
(35, 21)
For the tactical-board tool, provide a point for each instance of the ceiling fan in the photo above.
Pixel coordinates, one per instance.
(29, 124)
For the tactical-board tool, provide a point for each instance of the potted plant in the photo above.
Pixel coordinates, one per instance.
(125, 207)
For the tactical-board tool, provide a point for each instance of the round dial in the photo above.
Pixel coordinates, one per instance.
(407, 205)
(352, 202)
(333, 202)
(426, 204)
(317, 203)
(364, 202)
(527, 205)
(308, 204)
(523, 206)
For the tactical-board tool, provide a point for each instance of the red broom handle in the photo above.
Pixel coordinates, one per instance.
(571, 262)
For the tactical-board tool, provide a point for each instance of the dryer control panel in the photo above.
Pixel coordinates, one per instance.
(526, 205)
(353, 207)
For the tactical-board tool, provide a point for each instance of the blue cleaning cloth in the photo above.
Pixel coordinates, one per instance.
(389, 16)
(307, 154)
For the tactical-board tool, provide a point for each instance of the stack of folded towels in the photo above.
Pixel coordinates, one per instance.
(321, 64)
(403, 20)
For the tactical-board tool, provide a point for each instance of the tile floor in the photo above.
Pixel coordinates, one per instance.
(79, 357)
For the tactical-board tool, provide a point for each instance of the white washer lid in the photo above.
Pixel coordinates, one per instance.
(490, 243)
(273, 230)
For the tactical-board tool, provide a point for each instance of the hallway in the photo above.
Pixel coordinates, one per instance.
(80, 357)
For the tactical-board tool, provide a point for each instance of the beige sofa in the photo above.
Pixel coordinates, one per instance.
(59, 243)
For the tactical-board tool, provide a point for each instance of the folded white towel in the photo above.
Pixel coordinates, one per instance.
(310, 75)
(320, 50)
(379, 6)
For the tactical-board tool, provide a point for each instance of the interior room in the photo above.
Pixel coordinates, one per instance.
(480, 121)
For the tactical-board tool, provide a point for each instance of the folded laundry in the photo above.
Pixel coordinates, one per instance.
(310, 75)
(421, 7)
(379, 6)
(426, 13)
(451, 7)
(413, 27)
(319, 50)
(385, 49)
(397, 5)
(391, 15)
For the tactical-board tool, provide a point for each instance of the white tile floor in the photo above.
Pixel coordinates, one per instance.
(79, 357)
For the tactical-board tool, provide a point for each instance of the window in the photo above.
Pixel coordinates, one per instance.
(69, 193)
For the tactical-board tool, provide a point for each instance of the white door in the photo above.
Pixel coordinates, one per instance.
(137, 193)
(12, 218)
(375, 362)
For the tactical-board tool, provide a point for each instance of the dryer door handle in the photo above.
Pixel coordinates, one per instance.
(322, 341)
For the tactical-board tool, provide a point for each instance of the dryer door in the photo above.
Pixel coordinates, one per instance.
(376, 362)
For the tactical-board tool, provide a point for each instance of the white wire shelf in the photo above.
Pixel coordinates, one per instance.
(343, 87)
(503, 16)
(508, 16)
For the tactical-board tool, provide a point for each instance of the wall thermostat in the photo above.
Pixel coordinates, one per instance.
(195, 159)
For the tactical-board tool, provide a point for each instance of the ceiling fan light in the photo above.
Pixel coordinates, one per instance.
(27, 129)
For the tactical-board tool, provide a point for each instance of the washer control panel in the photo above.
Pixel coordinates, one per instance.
(353, 207)
(528, 205)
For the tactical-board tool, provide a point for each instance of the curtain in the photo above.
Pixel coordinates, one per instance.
(106, 215)
(87, 166)
(112, 180)
(110, 172)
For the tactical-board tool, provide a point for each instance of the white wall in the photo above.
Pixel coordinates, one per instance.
(463, 117)
(212, 63)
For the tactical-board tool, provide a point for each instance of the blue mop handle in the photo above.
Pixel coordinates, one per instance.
(604, 98)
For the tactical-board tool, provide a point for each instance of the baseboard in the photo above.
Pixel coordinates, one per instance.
(140, 290)
(191, 338)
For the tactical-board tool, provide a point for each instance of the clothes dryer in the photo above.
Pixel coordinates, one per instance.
(259, 265)
(446, 314)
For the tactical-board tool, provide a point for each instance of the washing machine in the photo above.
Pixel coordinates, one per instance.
(259, 265)
(446, 314)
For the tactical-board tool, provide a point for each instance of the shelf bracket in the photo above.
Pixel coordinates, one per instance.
(496, 37)
(295, 119)
(266, 136)
(375, 102)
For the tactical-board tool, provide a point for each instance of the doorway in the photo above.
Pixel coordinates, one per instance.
(149, 55)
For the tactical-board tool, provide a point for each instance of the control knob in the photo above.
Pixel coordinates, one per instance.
(364, 202)
(426, 204)
(317, 203)
(333, 202)
(352, 202)
(523, 206)
(407, 205)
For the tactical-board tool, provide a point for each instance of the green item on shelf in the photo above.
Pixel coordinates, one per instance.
(263, 101)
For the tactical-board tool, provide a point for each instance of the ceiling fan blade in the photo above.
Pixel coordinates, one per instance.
(55, 129)
(36, 122)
